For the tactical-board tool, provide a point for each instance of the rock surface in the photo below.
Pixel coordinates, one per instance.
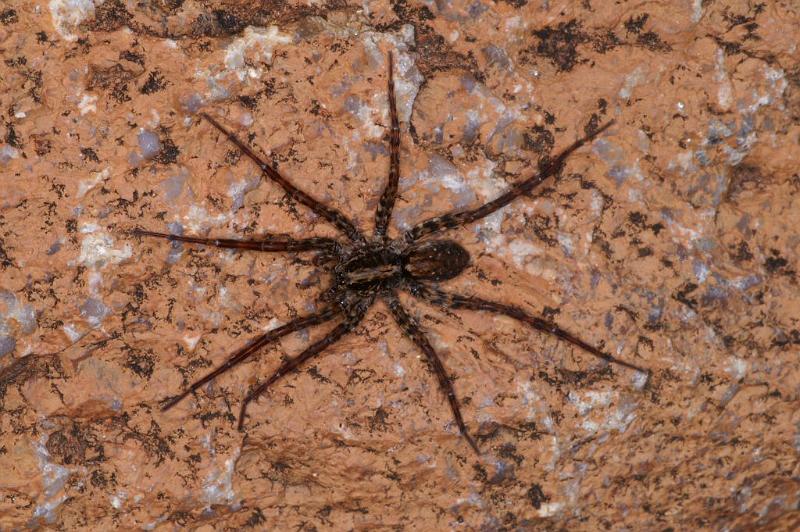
(672, 241)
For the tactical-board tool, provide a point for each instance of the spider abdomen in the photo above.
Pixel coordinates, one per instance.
(435, 260)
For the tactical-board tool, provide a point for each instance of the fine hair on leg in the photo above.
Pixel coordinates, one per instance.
(262, 243)
(253, 346)
(389, 195)
(334, 216)
(457, 218)
(454, 301)
(411, 328)
(354, 317)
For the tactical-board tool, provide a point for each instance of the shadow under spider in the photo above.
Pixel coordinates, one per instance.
(365, 269)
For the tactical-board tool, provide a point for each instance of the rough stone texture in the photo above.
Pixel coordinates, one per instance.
(672, 241)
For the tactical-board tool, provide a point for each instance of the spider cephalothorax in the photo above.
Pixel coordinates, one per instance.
(365, 269)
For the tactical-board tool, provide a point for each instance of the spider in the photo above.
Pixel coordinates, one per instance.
(364, 269)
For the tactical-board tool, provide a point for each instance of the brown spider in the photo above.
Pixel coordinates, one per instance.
(364, 269)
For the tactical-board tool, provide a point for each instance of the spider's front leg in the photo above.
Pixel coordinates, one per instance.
(389, 195)
(411, 328)
(265, 243)
(334, 216)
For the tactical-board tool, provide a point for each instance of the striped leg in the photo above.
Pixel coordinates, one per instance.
(335, 217)
(389, 196)
(411, 329)
(252, 347)
(288, 366)
(265, 243)
(448, 300)
(457, 218)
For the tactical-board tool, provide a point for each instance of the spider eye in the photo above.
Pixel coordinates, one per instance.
(436, 260)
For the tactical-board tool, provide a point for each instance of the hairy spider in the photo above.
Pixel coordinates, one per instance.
(364, 269)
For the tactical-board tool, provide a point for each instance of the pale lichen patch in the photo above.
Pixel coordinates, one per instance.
(98, 249)
(86, 185)
(67, 15)
(88, 104)
(54, 479)
(260, 42)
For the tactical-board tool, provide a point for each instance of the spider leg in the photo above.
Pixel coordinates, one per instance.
(457, 218)
(265, 243)
(339, 220)
(446, 299)
(290, 365)
(411, 329)
(254, 345)
(386, 203)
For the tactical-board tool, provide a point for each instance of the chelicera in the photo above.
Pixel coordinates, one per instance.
(364, 269)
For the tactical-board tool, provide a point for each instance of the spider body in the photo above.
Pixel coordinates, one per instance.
(364, 270)
(368, 268)
(378, 267)
(434, 260)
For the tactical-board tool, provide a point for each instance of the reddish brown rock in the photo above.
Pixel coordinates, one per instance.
(671, 241)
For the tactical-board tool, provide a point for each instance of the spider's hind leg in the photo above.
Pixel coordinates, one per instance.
(412, 330)
(449, 300)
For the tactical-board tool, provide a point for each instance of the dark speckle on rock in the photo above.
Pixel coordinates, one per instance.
(8, 16)
(560, 44)
(154, 83)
